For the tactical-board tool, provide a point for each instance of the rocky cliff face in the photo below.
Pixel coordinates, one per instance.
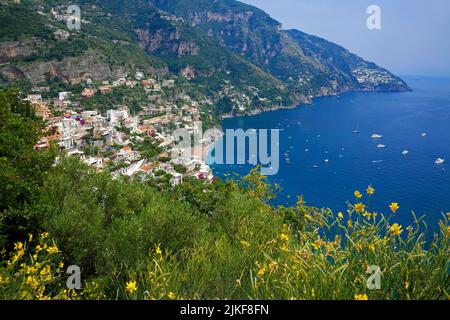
(309, 65)
(165, 42)
(225, 45)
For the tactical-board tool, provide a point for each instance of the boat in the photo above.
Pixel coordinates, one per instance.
(306, 150)
(405, 152)
(377, 136)
(377, 161)
(356, 131)
(381, 146)
(424, 134)
(439, 161)
(315, 166)
(326, 160)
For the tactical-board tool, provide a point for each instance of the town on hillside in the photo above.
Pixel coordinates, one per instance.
(118, 141)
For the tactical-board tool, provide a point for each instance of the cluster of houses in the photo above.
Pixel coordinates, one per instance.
(110, 142)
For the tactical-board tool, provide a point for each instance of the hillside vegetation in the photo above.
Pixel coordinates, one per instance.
(135, 240)
(222, 48)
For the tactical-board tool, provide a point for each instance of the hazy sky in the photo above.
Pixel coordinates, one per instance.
(414, 39)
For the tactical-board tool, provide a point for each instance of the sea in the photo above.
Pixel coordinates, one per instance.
(327, 151)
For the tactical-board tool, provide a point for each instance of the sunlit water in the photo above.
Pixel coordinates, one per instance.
(311, 135)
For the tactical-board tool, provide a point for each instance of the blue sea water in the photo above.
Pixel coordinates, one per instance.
(326, 128)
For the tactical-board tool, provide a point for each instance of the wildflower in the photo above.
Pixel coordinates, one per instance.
(245, 244)
(18, 246)
(358, 194)
(131, 287)
(44, 235)
(238, 282)
(262, 271)
(371, 247)
(158, 250)
(31, 281)
(52, 250)
(394, 207)
(360, 207)
(367, 215)
(171, 295)
(406, 285)
(284, 237)
(396, 229)
(350, 224)
(3, 280)
(340, 215)
(30, 237)
(361, 297)
(61, 265)
(370, 190)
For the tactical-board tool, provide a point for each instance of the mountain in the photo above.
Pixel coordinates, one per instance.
(227, 52)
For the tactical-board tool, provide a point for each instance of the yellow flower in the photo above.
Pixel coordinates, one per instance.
(358, 194)
(238, 282)
(30, 237)
(262, 271)
(394, 207)
(44, 235)
(158, 250)
(367, 215)
(350, 224)
(360, 207)
(52, 250)
(361, 297)
(245, 244)
(131, 287)
(18, 246)
(370, 191)
(396, 229)
(171, 295)
(371, 247)
(340, 215)
(284, 237)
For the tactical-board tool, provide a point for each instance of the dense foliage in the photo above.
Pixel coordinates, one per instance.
(133, 240)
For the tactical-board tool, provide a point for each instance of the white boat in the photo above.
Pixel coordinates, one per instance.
(405, 152)
(326, 160)
(424, 134)
(439, 161)
(377, 136)
(381, 146)
(306, 150)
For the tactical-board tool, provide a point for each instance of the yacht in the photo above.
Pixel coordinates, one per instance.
(439, 161)
(381, 146)
(377, 136)
(405, 152)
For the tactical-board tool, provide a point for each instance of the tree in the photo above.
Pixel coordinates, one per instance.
(22, 169)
